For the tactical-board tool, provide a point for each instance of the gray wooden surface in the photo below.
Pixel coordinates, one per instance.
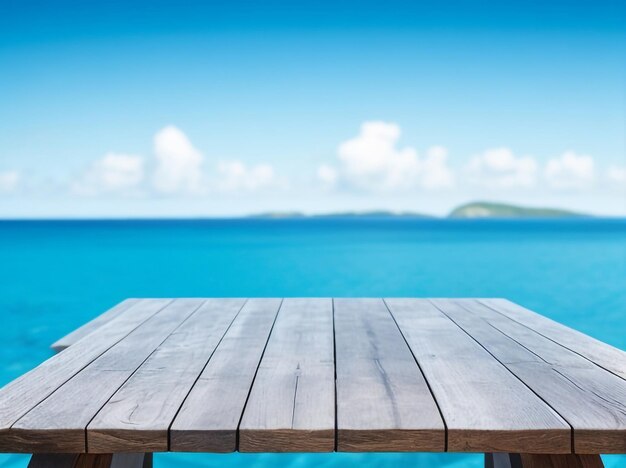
(23, 394)
(483, 404)
(291, 406)
(70, 409)
(209, 417)
(383, 401)
(603, 355)
(563, 379)
(138, 416)
(92, 325)
(220, 375)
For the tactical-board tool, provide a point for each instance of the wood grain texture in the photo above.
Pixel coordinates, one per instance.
(58, 423)
(291, 406)
(139, 414)
(26, 392)
(209, 417)
(93, 325)
(591, 399)
(209, 375)
(604, 355)
(383, 401)
(485, 407)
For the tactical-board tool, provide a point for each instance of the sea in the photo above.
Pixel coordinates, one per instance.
(56, 275)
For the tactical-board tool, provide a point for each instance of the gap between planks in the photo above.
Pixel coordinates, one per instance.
(335, 376)
(443, 419)
(503, 365)
(138, 367)
(607, 362)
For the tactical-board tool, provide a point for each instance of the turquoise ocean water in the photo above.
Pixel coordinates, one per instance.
(54, 276)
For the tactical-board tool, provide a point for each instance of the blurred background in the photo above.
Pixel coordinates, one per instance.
(150, 109)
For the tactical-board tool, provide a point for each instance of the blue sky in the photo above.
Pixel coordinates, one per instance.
(201, 109)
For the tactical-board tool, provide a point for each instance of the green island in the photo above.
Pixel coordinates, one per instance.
(471, 210)
(503, 210)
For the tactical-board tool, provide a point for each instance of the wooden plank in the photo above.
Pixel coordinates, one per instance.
(58, 423)
(383, 401)
(208, 420)
(485, 407)
(591, 399)
(139, 414)
(24, 393)
(93, 325)
(291, 406)
(604, 355)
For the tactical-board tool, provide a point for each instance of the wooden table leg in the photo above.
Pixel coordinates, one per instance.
(524, 460)
(88, 460)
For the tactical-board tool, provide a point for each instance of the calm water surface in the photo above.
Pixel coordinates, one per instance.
(54, 276)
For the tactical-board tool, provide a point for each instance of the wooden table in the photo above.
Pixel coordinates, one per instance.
(320, 375)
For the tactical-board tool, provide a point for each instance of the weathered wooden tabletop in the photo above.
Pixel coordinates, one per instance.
(219, 375)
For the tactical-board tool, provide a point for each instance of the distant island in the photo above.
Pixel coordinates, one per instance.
(502, 210)
(469, 210)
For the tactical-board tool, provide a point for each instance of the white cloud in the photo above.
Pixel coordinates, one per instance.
(327, 175)
(499, 168)
(570, 171)
(114, 172)
(179, 164)
(435, 171)
(617, 175)
(372, 161)
(177, 169)
(9, 181)
(236, 176)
